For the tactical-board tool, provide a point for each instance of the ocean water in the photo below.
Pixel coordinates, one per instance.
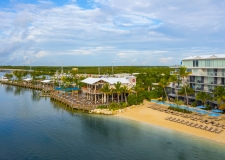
(37, 128)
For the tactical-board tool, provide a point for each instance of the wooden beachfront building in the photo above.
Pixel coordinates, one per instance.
(93, 86)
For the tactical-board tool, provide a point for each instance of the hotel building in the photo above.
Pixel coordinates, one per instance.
(207, 72)
(93, 87)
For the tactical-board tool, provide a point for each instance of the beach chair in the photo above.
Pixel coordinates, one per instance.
(206, 127)
(178, 120)
(218, 119)
(218, 131)
(219, 125)
(209, 128)
(183, 122)
(208, 121)
(167, 118)
(193, 125)
(202, 127)
(187, 123)
(203, 120)
(215, 123)
(213, 129)
(199, 126)
(174, 120)
(190, 124)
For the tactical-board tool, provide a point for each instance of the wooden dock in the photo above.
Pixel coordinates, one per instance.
(71, 103)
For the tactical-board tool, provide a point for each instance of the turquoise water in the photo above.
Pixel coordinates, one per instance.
(188, 108)
(37, 128)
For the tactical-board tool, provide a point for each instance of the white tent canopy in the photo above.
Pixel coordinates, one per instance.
(108, 80)
(46, 81)
(27, 79)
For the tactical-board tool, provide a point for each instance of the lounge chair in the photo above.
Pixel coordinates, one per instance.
(218, 119)
(199, 126)
(187, 123)
(190, 124)
(202, 127)
(183, 122)
(203, 121)
(208, 129)
(208, 121)
(167, 118)
(193, 125)
(213, 129)
(179, 120)
(219, 125)
(218, 131)
(174, 120)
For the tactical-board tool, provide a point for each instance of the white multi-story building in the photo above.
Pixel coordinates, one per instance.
(207, 72)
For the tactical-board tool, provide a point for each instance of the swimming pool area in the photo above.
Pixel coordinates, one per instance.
(198, 110)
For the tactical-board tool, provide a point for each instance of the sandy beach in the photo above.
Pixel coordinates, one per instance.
(142, 113)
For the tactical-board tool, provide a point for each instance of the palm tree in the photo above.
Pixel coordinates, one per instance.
(219, 95)
(118, 90)
(125, 90)
(186, 90)
(106, 90)
(175, 79)
(137, 89)
(164, 83)
(203, 96)
(183, 73)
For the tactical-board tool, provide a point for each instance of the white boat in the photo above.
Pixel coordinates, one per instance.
(4, 79)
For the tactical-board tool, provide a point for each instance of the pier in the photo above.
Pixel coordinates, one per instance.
(72, 100)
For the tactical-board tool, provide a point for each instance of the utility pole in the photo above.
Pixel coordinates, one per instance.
(99, 71)
(112, 68)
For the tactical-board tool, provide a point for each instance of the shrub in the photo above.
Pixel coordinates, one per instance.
(179, 110)
(132, 99)
(102, 107)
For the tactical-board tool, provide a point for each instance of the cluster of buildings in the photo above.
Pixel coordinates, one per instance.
(207, 72)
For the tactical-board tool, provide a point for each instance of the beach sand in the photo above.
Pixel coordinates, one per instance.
(142, 113)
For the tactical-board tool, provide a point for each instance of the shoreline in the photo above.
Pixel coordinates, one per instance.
(142, 113)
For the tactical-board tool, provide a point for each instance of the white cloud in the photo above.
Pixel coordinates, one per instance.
(144, 31)
(166, 60)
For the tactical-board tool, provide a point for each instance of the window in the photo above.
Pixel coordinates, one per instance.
(195, 63)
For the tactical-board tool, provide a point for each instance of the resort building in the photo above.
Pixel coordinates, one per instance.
(207, 72)
(93, 87)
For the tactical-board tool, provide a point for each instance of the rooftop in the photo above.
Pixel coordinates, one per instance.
(214, 56)
(109, 80)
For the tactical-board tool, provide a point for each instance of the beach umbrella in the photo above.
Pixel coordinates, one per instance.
(217, 110)
(214, 114)
(201, 107)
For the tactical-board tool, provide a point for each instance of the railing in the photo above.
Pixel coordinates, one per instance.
(175, 66)
(89, 90)
(211, 74)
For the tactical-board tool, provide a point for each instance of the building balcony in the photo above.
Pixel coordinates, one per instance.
(92, 91)
(209, 74)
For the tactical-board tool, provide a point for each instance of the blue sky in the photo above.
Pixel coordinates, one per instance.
(106, 32)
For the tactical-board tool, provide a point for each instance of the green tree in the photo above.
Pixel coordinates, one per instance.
(186, 90)
(137, 89)
(219, 96)
(8, 76)
(125, 90)
(106, 90)
(118, 90)
(182, 72)
(175, 79)
(164, 83)
(203, 96)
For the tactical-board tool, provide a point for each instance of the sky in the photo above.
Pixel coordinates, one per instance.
(109, 32)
